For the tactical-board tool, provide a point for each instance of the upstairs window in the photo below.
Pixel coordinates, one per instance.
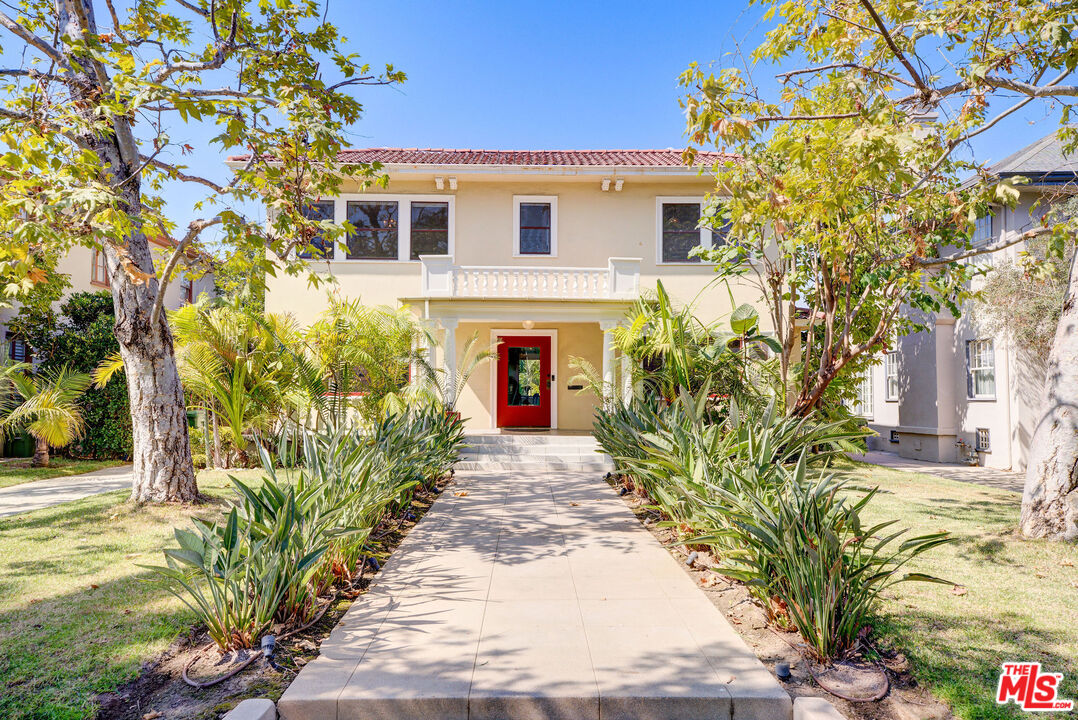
(430, 229)
(680, 230)
(890, 367)
(984, 233)
(187, 290)
(981, 369)
(17, 349)
(985, 229)
(375, 236)
(536, 221)
(320, 248)
(99, 271)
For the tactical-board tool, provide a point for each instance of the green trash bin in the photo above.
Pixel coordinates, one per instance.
(20, 446)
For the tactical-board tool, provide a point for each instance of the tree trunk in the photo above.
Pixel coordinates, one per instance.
(41, 454)
(163, 471)
(1050, 499)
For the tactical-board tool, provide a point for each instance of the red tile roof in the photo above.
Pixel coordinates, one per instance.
(526, 158)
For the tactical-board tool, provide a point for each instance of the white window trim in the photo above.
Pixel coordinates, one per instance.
(98, 257)
(867, 411)
(404, 223)
(971, 383)
(553, 201)
(994, 215)
(887, 396)
(705, 232)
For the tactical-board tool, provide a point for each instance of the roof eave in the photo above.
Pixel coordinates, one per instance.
(481, 169)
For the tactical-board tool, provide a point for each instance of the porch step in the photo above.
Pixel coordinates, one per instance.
(530, 439)
(514, 455)
(532, 452)
(522, 466)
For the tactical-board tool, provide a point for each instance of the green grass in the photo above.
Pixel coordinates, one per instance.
(18, 471)
(1020, 601)
(77, 614)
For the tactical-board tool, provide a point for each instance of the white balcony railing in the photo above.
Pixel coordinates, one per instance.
(620, 279)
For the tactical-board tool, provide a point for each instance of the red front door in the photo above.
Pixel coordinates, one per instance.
(524, 381)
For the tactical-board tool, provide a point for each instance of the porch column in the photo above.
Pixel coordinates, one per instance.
(449, 352)
(608, 357)
(626, 379)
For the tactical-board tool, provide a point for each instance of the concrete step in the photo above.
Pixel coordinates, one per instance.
(533, 449)
(541, 459)
(535, 466)
(526, 440)
(532, 453)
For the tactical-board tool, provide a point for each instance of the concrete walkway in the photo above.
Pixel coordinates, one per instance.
(533, 597)
(46, 493)
(989, 477)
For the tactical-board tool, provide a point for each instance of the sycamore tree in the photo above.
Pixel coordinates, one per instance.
(93, 109)
(858, 190)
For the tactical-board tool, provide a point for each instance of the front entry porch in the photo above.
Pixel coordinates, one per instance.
(534, 383)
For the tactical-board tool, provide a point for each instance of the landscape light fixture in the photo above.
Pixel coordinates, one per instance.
(269, 643)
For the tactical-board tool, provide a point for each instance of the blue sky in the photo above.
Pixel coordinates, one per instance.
(552, 75)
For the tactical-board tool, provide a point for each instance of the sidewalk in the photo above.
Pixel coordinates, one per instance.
(54, 491)
(989, 477)
(533, 597)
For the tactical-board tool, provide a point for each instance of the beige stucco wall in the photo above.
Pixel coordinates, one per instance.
(77, 264)
(575, 409)
(592, 226)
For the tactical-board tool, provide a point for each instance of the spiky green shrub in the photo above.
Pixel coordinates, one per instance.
(805, 554)
(308, 525)
(234, 576)
(738, 480)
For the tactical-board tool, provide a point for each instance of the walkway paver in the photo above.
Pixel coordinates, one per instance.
(54, 491)
(533, 597)
(989, 477)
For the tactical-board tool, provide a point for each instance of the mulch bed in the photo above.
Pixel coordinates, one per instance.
(905, 699)
(160, 693)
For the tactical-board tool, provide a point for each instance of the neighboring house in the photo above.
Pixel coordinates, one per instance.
(540, 251)
(958, 381)
(86, 272)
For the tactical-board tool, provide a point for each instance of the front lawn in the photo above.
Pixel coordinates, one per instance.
(77, 614)
(1016, 599)
(16, 471)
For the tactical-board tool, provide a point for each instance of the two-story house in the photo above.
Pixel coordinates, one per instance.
(539, 252)
(959, 380)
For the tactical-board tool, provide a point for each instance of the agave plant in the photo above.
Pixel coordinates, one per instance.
(806, 556)
(285, 542)
(46, 404)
